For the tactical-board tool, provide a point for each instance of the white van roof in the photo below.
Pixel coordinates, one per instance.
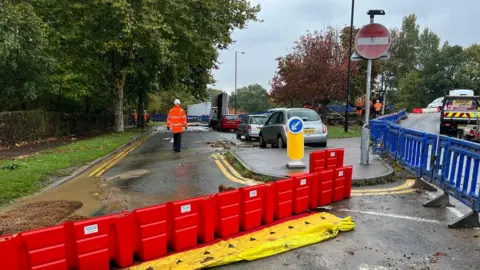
(461, 92)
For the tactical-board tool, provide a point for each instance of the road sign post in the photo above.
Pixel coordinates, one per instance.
(295, 143)
(372, 42)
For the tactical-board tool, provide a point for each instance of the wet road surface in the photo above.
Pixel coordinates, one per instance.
(392, 232)
(172, 176)
(426, 122)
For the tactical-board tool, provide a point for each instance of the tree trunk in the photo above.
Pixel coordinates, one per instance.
(118, 102)
(141, 108)
(324, 110)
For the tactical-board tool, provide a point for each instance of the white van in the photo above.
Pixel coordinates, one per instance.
(461, 92)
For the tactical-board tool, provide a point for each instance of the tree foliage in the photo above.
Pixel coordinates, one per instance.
(252, 98)
(106, 51)
(314, 71)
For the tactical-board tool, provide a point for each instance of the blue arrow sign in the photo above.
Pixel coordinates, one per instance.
(295, 125)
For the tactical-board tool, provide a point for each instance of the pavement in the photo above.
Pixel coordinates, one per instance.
(272, 161)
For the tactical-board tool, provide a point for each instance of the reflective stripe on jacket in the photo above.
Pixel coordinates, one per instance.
(177, 119)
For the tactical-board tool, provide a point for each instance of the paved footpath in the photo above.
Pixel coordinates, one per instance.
(272, 161)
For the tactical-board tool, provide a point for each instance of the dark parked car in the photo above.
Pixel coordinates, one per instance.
(250, 126)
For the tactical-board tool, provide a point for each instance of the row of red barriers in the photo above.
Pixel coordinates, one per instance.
(153, 232)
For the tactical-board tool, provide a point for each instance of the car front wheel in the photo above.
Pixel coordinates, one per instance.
(263, 144)
(280, 142)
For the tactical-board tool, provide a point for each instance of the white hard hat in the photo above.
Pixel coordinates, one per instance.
(378, 100)
(177, 101)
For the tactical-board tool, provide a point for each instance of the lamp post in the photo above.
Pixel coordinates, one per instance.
(236, 97)
(349, 66)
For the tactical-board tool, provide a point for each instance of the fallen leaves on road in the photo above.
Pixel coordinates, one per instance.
(434, 257)
(37, 215)
(221, 144)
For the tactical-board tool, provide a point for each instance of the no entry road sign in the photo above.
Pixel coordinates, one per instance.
(372, 41)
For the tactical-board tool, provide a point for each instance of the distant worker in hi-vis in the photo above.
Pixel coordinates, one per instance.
(177, 120)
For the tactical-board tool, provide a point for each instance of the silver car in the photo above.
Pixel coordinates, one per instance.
(274, 130)
(250, 126)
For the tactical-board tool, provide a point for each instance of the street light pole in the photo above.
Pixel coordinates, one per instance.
(349, 66)
(236, 97)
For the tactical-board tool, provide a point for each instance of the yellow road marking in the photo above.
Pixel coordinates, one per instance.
(235, 177)
(111, 162)
(407, 184)
(227, 174)
(383, 193)
(235, 172)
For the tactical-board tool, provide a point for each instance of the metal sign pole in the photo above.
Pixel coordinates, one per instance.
(365, 143)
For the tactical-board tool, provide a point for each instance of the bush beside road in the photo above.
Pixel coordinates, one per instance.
(28, 174)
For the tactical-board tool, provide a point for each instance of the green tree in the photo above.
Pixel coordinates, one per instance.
(252, 98)
(411, 91)
(109, 39)
(407, 45)
(24, 61)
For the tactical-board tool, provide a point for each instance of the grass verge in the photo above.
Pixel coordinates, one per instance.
(230, 158)
(26, 175)
(338, 132)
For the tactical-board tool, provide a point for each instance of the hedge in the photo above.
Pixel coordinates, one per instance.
(26, 126)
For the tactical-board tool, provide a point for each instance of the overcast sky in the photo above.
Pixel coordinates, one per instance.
(286, 20)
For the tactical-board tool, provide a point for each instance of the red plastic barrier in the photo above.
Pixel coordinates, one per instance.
(348, 181)
(317, 161)
(150, 232)
(314, 190)
(326, 188)
(207, 219)
(268, 203)
(185, 222)
(228, 213)
(339, 184)
(8, 252)
(283, 198)
(334, 158)
(251, 206)
(40, 249)
(93, 243)
(301, 192)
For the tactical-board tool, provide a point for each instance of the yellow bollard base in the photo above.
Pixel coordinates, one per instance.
(296, 164)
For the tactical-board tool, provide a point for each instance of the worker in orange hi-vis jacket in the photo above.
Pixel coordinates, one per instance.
(177, 120)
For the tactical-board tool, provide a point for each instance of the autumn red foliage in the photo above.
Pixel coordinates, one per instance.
(315, 71)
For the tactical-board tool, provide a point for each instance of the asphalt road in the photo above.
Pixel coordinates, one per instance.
(426, 122)
(172, 176)
(392, 232)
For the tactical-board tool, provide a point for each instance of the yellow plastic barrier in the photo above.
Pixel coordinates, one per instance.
(260, 244)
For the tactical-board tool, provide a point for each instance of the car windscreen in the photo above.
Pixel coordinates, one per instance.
(461, 104)
(258, 120)
(231, 117)
(305, 115)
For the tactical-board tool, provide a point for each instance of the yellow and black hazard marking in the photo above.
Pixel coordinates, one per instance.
(461, 114)
(260, 244)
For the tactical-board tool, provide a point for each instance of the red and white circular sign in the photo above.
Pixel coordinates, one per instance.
(372, 41)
